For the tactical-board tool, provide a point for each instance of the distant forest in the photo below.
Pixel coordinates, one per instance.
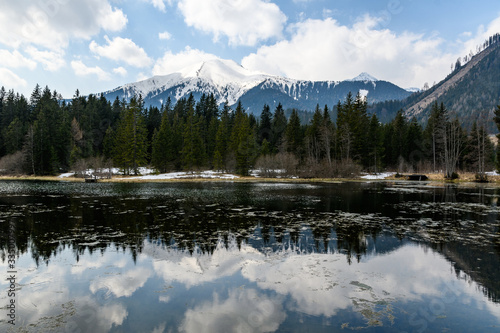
(46, 135)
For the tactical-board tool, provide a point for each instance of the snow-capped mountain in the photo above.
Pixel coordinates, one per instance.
(230, 82)
(224, 78)
(364, 77)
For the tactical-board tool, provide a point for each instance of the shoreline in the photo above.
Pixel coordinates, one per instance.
(433, 178)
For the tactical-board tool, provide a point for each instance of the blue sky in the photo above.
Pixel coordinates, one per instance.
(97, 45)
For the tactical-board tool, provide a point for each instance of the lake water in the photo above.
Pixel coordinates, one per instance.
(250, 257)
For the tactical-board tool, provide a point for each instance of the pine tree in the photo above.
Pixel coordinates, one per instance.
(278, 126)
(345, 132)
(265, 125)
(193, 153)
(374, 143)
(359, 125)
(163, 155)
(222, 140)
(131, 143)
(414, 147)
(313, 136)
(293, 134)
(243, 142)
(398, 140)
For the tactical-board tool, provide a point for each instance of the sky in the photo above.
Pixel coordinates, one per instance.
(98, 45)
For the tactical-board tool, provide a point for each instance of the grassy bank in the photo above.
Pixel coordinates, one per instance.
(433, 177)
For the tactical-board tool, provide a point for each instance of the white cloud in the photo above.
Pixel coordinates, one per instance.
(123, 285)
(171, 63)
(120, 71)
(165, 35)
(51, 60)
(10, 79)
(242, 22)
(52, 24)
(243, 311)
(326, 50)
(81, 69)
(482, 34)
(141, 77)
(16, 60)
(160, 4)
(122, 49)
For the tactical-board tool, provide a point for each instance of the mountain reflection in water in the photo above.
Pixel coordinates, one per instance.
(253, 257)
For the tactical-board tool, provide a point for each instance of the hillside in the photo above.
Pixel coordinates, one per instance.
(472, 92)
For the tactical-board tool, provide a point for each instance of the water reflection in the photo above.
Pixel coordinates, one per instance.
(246, 257)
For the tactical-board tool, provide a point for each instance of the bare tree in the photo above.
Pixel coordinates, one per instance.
(29, 149)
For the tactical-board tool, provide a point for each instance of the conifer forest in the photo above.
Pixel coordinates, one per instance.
(46, 135)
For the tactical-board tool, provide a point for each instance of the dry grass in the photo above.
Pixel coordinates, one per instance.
(464, 177)
(435, 177)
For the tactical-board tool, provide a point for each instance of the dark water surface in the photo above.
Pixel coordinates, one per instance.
(236, 257)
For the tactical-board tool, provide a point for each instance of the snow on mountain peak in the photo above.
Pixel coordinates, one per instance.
(221, 72)
(364, 77)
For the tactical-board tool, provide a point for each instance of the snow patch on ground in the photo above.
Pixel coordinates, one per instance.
(187, 175)
(382, 175)
(66, 175)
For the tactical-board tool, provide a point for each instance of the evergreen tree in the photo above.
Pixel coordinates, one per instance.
(293, 134)
(265, 125)
(313, 136)
(345, 132)
(163, 154)
(327, 134)
(243, 142)
(131, 143)
(398, 140)
(375, 146)
(222, 140)
(414, 145)
(359, 123)
(278, 126)
(193, 154)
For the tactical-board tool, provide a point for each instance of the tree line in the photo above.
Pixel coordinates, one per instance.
(45, 135)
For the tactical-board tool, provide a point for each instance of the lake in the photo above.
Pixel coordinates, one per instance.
(249, 257)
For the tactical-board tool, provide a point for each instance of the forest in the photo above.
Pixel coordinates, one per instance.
(47, 135)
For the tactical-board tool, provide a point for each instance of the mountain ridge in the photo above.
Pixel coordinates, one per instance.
(229, 81)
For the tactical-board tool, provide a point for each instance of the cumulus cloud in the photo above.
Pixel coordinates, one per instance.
(482, 34)
(50, 60)
(81, 69)
(123, 285)
(160, 4)
(51, 24)
(120, 71)
(122, 49)
(171, 63)
(243, 311)
(165, 35)
(16, 60)
(327, 50)
(242, 22)
(11, 79)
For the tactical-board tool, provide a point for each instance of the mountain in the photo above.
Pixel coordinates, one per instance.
(471, 91)
(230, 82)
